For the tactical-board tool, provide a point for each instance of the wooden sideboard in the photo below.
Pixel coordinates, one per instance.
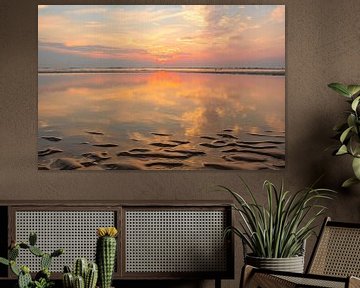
(157, 240)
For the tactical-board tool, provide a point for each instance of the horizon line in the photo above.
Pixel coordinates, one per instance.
(168, 67)
(211, 70)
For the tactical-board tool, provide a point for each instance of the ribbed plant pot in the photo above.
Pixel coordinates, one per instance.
(291, 264)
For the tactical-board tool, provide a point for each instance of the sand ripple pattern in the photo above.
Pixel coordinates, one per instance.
(159, 150)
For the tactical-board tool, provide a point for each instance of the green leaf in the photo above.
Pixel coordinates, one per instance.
(13, 253)
(24, 280)
(351, 120)
(349, 182)
(4, 261)
(32, 238)
(36, 251)
(43, 274)
(353, 89)
(24, 245)
(342, 150)
(14, 268)
(340, 127)
(355, 103)
(25, 269)
(340, 88)
(345, 134)
(354, 144)
(57, 253)
(356, 167)
(45, 261)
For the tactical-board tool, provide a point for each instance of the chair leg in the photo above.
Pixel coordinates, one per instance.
(246, 273)
(217, 283)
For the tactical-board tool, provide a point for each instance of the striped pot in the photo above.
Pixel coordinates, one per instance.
(291, 264)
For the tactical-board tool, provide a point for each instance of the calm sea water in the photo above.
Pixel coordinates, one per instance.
(162, 112)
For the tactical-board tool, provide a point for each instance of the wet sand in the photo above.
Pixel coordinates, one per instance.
(224, 150)
(186, 119)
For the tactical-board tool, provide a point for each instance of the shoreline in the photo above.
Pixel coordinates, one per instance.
(252, 71)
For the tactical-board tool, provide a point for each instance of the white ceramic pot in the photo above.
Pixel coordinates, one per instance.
(291, 264)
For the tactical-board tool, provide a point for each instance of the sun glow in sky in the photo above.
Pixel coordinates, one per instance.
(161, 36)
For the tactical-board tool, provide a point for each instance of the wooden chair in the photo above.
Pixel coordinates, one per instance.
(335, 262)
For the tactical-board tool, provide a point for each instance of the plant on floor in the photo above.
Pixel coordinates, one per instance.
(106, 254)
(42, 278)
(85, 275)
(349, 132)
(279, 229)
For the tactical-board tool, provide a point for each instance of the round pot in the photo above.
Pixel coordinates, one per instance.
(291, 264)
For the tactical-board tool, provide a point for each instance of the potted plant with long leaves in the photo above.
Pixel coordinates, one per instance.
(349, 131)
(276, 233)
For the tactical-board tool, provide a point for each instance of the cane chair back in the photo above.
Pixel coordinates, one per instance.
(335, 262)
(337, 252)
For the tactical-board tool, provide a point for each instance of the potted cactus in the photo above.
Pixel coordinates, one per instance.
(42, 278)
(106, 254)
(84, 275)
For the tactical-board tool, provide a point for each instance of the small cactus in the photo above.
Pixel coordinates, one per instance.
(68, 280)
(67, 269)
(106, 254)
(45, 261)
(80, 268)
(79, 282)
(91, 276)
(24, 278)
(83, 274)
(36, 251)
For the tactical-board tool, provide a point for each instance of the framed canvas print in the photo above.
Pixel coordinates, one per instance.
(161, 87)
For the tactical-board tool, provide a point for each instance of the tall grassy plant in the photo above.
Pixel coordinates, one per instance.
(280, 229)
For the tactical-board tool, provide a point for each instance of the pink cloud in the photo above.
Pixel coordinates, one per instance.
(96, 51)
(278, 14)
(192, 35)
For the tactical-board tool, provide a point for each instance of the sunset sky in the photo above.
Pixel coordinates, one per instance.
(161, 36)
